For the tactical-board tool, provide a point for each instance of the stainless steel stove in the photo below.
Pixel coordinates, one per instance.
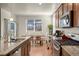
(58, 41)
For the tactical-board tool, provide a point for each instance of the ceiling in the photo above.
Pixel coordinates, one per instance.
(30, 8)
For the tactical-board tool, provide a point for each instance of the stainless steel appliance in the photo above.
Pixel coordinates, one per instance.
(59, 41)
(56, 47)
(66, 20)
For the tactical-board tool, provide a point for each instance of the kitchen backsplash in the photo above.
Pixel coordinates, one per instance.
(74, 30)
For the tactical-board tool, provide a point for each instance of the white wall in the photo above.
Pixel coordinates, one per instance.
(22, 27)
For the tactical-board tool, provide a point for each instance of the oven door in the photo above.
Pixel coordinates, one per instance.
(56, 49)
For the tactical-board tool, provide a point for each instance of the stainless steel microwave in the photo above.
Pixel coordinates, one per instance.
(66, 21)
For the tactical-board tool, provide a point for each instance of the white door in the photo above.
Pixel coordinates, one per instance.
(12, 29)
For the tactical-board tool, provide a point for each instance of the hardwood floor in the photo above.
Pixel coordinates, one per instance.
(41, 51)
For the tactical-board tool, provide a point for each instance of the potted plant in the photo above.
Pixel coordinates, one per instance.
(50, 26)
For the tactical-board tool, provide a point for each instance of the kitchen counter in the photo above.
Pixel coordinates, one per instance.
(73, 36)
(7, 48)
(70, 50)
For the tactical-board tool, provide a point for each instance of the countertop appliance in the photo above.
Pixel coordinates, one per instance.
(58, 33)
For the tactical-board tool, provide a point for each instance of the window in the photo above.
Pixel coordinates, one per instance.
(38, 25)
(30, 25)
(34, 25)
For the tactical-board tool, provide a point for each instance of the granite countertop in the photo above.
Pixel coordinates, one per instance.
(71, 50)
(7, 47)
(73, 36)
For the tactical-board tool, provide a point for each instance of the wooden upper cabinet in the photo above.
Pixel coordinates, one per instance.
(60, 11)
(65, 8)
(56, 19)
(76, 14)
(70, 6)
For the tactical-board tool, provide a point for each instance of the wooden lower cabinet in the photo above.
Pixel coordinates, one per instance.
(25, 49)
(22, 51)
(64, 53)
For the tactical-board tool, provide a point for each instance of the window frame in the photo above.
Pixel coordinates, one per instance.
(34, 24)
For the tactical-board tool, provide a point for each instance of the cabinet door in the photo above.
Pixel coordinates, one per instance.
(64, 53)
(60, 11)
(65, 8)
(76, 14)
(56, 19)
(70, 5)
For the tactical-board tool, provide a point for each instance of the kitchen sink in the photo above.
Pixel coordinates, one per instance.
(73, 36)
